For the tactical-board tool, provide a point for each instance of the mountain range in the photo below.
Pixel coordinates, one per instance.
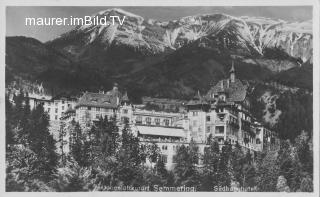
(166, 59)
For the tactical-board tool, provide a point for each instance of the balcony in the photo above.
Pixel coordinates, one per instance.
(161, 140)
(234, 125)
(154, 125)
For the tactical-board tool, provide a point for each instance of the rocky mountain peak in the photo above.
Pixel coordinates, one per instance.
(251, 35)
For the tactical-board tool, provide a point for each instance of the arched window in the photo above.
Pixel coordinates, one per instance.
(139, 120)
(148, 120)
(166, 122)
(157, 120)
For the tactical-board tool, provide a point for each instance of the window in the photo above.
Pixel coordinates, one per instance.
(258, 141)
(208, 118)
(125, 111)
(195, 113)
(257, 131)
(139, 119)
(174, 159)
(98, 109)
(89, 108)
(69, 105)
(164, 158)
(220, 129)
(157, 120)
(48, 110)
(148, 120)
(166, 122)
(98, 116)
(124, 119)
(62, 102)
(208, 129)
(56, 117)
(56, 110)
(164, 147)
(62, 107)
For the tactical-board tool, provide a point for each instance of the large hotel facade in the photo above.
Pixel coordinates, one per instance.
(223, 113)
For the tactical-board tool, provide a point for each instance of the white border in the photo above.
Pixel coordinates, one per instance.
(316, 82)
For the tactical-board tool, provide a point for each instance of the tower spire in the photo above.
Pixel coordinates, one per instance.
(232, 73)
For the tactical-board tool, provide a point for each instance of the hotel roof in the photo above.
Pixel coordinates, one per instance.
(110, 99)
(235, 91)
(98, 100)
(197, 100)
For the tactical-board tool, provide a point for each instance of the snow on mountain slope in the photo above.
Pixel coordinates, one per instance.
(136, 32)
(295, 38)
(250, 35)
(230, 28)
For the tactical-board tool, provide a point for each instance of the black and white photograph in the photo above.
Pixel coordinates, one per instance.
(160, 98)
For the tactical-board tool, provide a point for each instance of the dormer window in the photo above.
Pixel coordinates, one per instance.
(94, 100)
(223, 97)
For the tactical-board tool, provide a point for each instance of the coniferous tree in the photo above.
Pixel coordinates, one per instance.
(77, 140)
(185, 169)
(211, 159)
(42, 142)
(268, 173)
(21, 118)
(286, 162)
(153, 153)
(237, 162)
(161, 170)
(62, 134)
(302, 161)
(306, 184)
(304, 153)
(224, 172)
(10, 134)
(129, 157)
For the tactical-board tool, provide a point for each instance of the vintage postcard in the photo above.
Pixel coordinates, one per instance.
(160, 97)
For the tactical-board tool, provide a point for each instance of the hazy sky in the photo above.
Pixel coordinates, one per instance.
(15, 16)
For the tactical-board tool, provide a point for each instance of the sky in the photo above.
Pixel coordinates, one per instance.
(15, 16)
